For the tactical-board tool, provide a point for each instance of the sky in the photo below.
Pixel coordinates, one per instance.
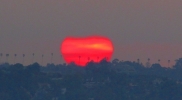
(138, 28)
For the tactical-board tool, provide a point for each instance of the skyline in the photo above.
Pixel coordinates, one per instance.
(24, 60)
(138, 29)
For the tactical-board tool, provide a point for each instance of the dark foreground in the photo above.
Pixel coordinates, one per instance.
(104, 81)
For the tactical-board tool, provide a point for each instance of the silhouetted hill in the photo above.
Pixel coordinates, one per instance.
(116, 80)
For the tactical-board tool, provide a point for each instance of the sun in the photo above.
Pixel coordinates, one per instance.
(82, 50)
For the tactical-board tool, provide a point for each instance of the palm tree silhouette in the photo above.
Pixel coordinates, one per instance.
(168, 62)
(107, 58)
(97, 59)
(159, 61)
(79, 58)
(1, 54)
(23, 58)
(33, 58)
(148, 59)
(42, 59)
(7, 55)
(138, 60)
(51, 57)
(15, 58)
(88, 59)
(148, 63)
(60, 59)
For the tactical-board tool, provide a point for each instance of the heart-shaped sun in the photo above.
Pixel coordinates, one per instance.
(83, 50)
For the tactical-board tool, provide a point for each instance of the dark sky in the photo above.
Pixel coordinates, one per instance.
(138, 28)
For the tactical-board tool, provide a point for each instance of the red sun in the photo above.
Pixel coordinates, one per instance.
(83, 50)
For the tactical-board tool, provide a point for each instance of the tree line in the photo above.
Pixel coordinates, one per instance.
(116, 80)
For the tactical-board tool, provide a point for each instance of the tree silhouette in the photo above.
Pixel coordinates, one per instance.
(178, 63)
(33, 58)
(51, 57)
(97, 59)
(42, 59)
(138, 60)
(79, 58)
(159, 61)
(148, 62)
(23, 58)
(61, 59)
(1, 54)
(148, 59)
(7, 56)
(168, 62)
(115, 62)
(88, 59)
(15, 57)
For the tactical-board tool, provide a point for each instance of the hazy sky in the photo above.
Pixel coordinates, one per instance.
(138, 28)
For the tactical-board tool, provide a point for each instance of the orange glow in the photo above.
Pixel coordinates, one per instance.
(83, 50)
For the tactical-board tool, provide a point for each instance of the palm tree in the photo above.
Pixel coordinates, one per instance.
(148, 63)
(23, 58)
(42, 59)
(148, 59)
(1, 54)
(115, 62)
(168, 62)
(138, 60)
(88, 59)
(79, 58)
(159, 61)
(97, 59)
(7, 55)
(60, 58)
(33, 58)
(15, 57)
(107, 58)
(51, 57)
